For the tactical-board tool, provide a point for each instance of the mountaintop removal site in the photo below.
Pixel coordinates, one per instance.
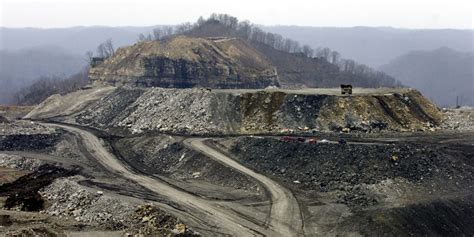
(209, 137)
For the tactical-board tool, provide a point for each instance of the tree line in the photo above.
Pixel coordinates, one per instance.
(105, 50)
(46, 86)
(230, 26)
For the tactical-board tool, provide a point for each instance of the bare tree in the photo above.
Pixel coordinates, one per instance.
(109, 47)
(244, 29)
(335, 56)
(308, 51)
(89, 55)
(101, 51)
(323, 53)
(157, 34)
(348, 65)
(141, 37)
(106, 49)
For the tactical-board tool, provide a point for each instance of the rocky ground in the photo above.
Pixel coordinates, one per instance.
(380, 183)
(49, 188)
(168, 157)
(224, 112)
(383, 184)
(459, 119)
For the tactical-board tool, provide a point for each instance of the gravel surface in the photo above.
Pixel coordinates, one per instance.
(459, 119)
(67, 198)
(23, 127)
(353, 168)
(19, 162)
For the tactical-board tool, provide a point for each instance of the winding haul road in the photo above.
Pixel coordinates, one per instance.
(285, 212)
(285, 216)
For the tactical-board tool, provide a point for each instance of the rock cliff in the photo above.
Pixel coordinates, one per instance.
(184, 62)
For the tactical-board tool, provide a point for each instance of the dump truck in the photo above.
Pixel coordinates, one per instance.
(346, 89)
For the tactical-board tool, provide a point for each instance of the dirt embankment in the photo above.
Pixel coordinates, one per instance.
(168, 157)
(201, 111)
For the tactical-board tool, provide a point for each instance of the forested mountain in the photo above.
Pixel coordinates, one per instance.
(65, 48)
(442, 74)
(297, 64)
(19, 68)
(376, 46)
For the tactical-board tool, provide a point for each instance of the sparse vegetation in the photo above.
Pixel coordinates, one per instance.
(47, 86)
(223, 25)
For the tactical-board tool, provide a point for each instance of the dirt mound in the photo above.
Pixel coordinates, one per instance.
(12, 112)
(183, 62)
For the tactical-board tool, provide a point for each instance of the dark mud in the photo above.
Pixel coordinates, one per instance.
(436, 198)
(36, 142)
(323, 166)
(23, 192)
(446, 217)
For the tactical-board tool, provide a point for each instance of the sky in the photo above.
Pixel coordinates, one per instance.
(413, 14)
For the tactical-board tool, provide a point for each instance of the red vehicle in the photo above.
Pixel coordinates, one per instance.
(288, 139)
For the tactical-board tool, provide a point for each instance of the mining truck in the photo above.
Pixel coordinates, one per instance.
(346, 89)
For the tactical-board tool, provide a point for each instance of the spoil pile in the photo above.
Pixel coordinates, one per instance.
(200, 111)
(350, 168)
(66, 198)
(459, 119)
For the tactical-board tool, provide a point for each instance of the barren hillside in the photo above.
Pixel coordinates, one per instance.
(183, 62)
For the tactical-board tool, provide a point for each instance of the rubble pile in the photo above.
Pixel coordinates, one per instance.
(458, 119)
(175, 110)
(350, 169)
(22, 127)
(66, 198)
(153, 220)
(203, 111)
(19, 162)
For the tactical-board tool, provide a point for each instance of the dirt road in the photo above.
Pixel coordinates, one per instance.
(221, 220)
(285, 217)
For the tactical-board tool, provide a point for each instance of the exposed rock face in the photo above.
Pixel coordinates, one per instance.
(184, 62)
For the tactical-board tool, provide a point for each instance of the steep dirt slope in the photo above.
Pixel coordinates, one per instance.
(183, 62)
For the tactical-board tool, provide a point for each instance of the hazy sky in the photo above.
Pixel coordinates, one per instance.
(396, 13)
